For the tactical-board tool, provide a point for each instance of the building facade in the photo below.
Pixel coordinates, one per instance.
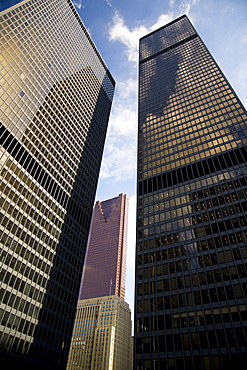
(105, 264)
(102, 335)
(55, 103)
(191, 255)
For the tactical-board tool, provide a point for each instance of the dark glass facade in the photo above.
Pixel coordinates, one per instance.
(56, 95)
(191, 260)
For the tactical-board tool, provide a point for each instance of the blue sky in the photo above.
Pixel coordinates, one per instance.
(116, 26)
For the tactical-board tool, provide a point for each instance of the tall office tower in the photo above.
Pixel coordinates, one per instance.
(102, 335)
(192, 206)
(105, 264)
(55, 100)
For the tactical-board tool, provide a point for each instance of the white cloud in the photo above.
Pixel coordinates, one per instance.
(108, 2)
(162, 20)
(185, 6)
(78, 4)
(124, 114)
(127, 88)
(123, 122)
(120, 32)
(119, 160)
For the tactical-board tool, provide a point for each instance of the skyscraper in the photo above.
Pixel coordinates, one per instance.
(55, 100)
(101, 336)
(192, 208)
(105, 264)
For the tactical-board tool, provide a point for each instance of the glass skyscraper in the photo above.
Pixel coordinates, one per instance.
(56, 95)
(191, 262)
(105, 263)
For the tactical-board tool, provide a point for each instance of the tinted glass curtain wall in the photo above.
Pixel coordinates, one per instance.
(56, 95)
(191, 286)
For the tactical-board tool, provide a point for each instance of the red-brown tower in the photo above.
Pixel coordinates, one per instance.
(105, 266)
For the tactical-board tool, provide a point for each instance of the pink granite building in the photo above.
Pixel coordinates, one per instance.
(105, 265)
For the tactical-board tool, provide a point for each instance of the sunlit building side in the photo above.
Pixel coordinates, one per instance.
(191, 286)
(56, 95)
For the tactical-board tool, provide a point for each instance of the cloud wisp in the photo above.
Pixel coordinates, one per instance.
(185, 6)
(108, 2)
(78, 4)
